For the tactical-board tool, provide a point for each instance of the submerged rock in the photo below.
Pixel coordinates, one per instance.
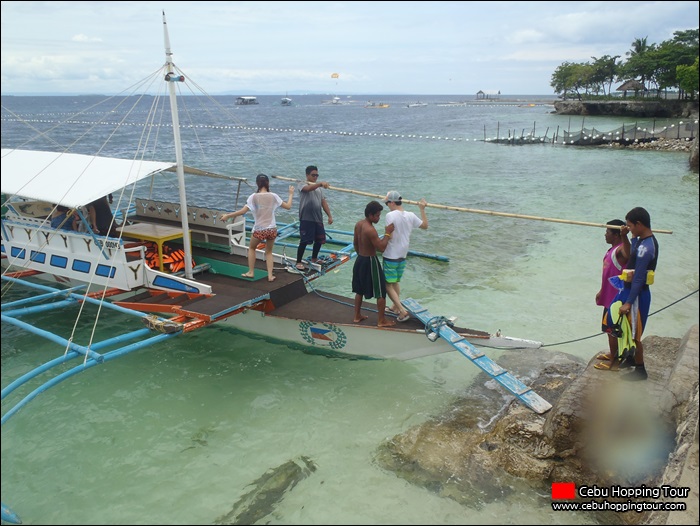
(481, 448)
(268, 491)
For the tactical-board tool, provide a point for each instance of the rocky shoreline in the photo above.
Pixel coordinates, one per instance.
(664, 145)
(645, 109)
(601, 431)
(629, 108)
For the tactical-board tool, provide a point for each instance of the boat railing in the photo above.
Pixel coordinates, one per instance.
(206, 227)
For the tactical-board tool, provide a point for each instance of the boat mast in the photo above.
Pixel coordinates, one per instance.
(171, 79)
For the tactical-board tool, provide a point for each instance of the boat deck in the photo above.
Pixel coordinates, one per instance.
(288, 297)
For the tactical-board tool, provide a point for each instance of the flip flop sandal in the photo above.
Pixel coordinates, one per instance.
(603, 356)
(295, 270)
(604, 366)
(403, 318)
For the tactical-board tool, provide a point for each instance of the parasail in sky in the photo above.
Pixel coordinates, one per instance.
(334, 75)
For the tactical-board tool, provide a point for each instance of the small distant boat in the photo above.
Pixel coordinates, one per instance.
(337, 101)
(286, 101)
(371, 104)
(246, 101)
(417, 104)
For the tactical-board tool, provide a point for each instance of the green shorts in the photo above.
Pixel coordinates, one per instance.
(393, 269)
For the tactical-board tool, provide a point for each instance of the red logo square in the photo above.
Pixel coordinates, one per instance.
(563, 490)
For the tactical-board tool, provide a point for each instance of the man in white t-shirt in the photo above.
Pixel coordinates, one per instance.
(394, 257)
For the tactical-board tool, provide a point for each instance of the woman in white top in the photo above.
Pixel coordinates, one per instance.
(263, 204)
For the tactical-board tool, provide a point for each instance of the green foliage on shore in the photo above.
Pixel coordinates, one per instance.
(671, 65)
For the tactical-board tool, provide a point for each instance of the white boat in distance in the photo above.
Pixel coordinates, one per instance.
(417, 104)
(286, 101)
(246, 101)
(337, 101)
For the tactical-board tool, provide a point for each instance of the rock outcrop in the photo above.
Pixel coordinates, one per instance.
(601, 430)
(628, 108)
(694, 157)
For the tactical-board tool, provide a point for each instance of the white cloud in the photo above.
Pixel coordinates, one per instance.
(288, 46)
(85, 38)
(526, 36)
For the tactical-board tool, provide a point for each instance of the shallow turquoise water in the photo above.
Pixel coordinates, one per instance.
(122, 443)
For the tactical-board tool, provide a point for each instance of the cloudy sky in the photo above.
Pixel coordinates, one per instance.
(257, 48)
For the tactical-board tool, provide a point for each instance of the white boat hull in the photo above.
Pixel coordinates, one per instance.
(362, 341)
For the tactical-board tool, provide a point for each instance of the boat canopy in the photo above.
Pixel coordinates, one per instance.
(70, 179)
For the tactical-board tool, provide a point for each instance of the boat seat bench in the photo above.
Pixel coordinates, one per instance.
(206, 229)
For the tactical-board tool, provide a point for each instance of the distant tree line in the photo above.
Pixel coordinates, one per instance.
(673, 65)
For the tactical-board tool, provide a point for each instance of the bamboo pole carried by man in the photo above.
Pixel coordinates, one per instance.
(476, 210)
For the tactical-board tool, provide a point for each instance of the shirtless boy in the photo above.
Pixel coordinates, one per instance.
(367, 274)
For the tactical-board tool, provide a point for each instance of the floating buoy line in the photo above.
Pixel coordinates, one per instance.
(253, 128)
(584, 137)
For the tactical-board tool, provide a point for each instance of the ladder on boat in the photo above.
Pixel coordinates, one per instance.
(521, 391)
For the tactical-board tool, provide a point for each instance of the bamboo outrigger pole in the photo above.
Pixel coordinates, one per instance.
(476, 210)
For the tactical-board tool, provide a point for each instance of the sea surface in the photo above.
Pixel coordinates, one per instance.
(178, 432)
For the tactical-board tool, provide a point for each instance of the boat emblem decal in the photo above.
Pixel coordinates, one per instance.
(323, 334)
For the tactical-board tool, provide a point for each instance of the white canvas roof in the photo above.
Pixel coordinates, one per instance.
(69, 179)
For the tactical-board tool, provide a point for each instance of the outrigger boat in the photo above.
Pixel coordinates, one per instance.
(132, 271)
(176, 268)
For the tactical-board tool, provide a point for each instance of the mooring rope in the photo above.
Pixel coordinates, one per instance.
(601, 333)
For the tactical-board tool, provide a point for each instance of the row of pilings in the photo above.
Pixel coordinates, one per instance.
(639, 132)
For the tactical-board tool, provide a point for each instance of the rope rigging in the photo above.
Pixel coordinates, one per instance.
(601, 333)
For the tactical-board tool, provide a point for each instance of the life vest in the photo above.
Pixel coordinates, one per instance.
(152, 255)
(173, 259)
(176, 259)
